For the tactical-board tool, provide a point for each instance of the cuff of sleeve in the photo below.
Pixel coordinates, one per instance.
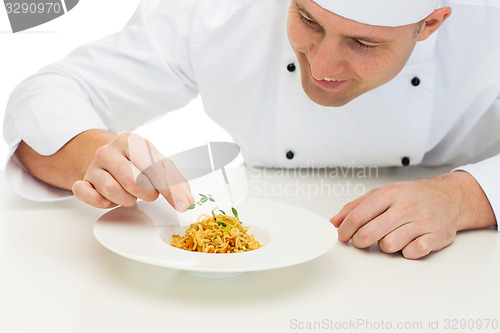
(486, 174)
(29, 187)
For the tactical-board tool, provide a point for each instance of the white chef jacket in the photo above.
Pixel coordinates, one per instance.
(442, 108)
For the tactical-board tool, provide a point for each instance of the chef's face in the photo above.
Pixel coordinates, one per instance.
(341, 59)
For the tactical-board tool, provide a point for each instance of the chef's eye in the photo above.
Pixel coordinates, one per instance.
(306, 20)
(363, 45)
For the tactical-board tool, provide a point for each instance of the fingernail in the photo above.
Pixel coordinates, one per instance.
(181, 206)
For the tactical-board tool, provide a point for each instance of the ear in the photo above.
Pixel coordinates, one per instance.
(433, 22)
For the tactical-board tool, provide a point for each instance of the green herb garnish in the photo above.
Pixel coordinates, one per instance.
(227, 226)
(203, 199)
(235, 212)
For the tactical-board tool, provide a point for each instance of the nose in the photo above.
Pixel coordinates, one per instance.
(327, 59)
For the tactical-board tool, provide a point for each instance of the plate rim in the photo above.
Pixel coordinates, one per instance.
(202, 268)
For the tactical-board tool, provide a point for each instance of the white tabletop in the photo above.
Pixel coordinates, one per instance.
(56, 277)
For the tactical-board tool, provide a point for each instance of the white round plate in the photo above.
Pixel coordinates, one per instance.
(290, 236)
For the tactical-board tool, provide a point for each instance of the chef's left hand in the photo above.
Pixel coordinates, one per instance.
(417, 217)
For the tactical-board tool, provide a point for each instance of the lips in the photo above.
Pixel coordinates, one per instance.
(328, 83)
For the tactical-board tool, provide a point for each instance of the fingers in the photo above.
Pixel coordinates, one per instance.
(339, 218)
(397, 239)
(161, 172)
(412, 217)
(181, 196)
(129, 168)
(86, 193)
(423, 245)
(365, 211)
(378, 228)
(410, 238)
(108, 187)
(415, 240)
(125, 174)
(178, 186)
(170, 183)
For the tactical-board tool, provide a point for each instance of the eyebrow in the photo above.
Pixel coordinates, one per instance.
(360, 38)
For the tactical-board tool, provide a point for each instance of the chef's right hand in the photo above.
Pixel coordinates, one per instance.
(130, 168)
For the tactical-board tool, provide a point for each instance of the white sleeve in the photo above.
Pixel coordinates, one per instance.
(486, 172)
(117, 83)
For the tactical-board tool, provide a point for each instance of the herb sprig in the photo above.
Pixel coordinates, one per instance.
(203, 199)
(228, 226)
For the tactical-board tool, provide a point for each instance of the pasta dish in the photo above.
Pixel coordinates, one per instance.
(219, 233)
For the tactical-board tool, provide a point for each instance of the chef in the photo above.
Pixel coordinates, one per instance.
(296, 83)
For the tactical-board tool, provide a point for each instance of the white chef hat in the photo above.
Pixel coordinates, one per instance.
(389, 13)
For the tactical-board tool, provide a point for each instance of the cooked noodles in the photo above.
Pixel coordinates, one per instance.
(216, 234)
